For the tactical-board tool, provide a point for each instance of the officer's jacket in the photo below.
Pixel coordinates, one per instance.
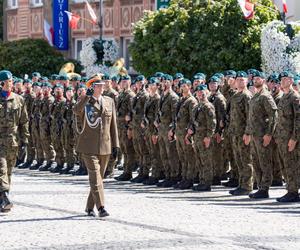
(13, 122)
(124, 103)
(150, 111)
(288, 117)
(98, 140)
(262, 114)
(137, 108)
(204, 120)
(239, 109)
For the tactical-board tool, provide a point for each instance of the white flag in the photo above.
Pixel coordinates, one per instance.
(92, 12)
(49, 32)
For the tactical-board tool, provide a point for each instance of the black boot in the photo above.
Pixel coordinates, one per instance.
(124, 177)
(188, 184)
(260, 194)
(66, 169)
(81, 171)
(37, 165)
(140, 178)
(162, 183)
(150, 181)
(202, 188)
(239, 191)
(6, 204)
(56, 169)
(49, 165)
(179, 184)
(170, 183)
(90, 212)
(27, 164)
(231, 183)
(216, 181)
(277, 183)
(289, 197)
(103, 212)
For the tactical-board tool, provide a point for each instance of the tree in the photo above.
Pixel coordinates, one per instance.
(192, 36)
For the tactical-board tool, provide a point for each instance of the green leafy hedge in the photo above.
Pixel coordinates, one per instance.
(192, 36)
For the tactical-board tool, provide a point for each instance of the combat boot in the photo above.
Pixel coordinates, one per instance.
(66, 169)
(103, 212)
(188, 184)
(90, 212)
(202, 188)
(50, 164)
(216, 181)
(124, 177)
(277, 183)
(57, 169)
(27, 164)
(239, 191)
(289, 197)
(170, 183)
(34, 166)
(179, 184)
(139, 178)
(260, 194)
(231, 183)
(81, 171)
(161, 184)
(150, 181)
(6, 204)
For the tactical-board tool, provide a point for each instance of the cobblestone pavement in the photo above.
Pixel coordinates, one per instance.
(48, 214)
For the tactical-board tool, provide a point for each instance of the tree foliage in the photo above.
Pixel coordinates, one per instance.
(192, 36)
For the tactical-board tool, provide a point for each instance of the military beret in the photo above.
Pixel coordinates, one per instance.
(47, 84)
(185, 81)
(53, 77)
(133, 82)
(37, 84)
(75, 78)
(158, 74)
(140, 78)
(167, 77)
(18, 80)
(273, 78)
(44, 78)
(125, 78)
(153, 80)
(36, 74)
(115, 78)
(106, 77)
(201, 87)
(58, 86)
(199, 77)
(242, 74)
(5, 75)
(62, 78)
(219, 75)
(258, 73)
(84, 79)
(178, 76)
(250, 71)
(69, 88)
(82, 86)
(27, 81)
(296, 80)
(214, 78)
(230, 73)
(286, 73)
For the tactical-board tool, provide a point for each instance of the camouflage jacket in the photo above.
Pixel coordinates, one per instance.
(112, 93)
(150, 111)
(277, 97)
(57, 115)
(29, 98)
(137, 108)
(219, 101)
(67, 113)
(124, 103)
(36, 111)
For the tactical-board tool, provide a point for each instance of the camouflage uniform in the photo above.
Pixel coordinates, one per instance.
(262, 121)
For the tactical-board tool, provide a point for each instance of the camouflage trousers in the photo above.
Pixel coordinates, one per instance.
(262, 163)
(186, 156)
(68, 142)
(290, 165)
(218, 159)
(8, 157)
(155, 160)
(203, 160)
(37, 143)
(229, 157)
(30, 154)
(168, 155)
(56, 136)
(46, 141)
(243, 159)
(276, 163)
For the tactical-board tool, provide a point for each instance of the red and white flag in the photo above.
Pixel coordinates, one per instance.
(73, 19)
(49, 32)
(285, 8)
(247, 8)
(92, 12)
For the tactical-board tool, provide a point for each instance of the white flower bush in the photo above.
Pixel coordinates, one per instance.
(279, 52)
(88, 57)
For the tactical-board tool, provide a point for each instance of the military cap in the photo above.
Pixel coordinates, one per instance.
(75, 78)
(214, 78)
(258, 73)
(199, 76)
(5, 75)
(153, 80)
(47, 84)
(178, 76)
(140, 78)
(44, 78)
(106, 77)
(185, 81)
(62, 78)
(18, 80)
(219, 75)
(250, 71)
(37, 84)
(126, 77)
(115, 78)
(158, 74)
(69, 88)
(27, 81)
(201, 87)
(84, 79)
(230, 73)
(36, 74)
(167, 77)
(82, 86)
(242, 74)
(59, 86)
(286, 73)
(95, 80)
(273, 78)
(53, 77)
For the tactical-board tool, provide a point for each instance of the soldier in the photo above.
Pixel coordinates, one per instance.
(198, 79)
(239, 109)
(18, 86)
(138, 136)
(35, 129)
(96, 141)
(13, 131)
(123, 118)
(35, 77)
(151, 134)
(57, 127)
(287, 135)
(177, 78)
(164, 118)
(64, 80)
(219, 102)
(75, 81)
(260, 128)
(182, 122)
(296, 83)
(68, 135)
(202, 129)
(45, 126)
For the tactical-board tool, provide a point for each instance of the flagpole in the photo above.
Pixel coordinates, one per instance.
(100, 23)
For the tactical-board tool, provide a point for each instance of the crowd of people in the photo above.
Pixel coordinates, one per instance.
(239, 129)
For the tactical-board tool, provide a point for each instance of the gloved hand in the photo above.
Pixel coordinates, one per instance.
(90, 92)
(114, 152)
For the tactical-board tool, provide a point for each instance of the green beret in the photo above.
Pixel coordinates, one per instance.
(69, 88)
(242, 74)
(178, 76)
(18, 80)
(125, 78)
(84, 79)
(258, 73)
(27, 81)
(202, 75)
(219, 75)
(47, 84)
(106, 77)
(158, 74)
(62, 78)
(167, 77)
(286, 73)
(82, 86)
(214, 79)
(250, 71)
(199, 76)
(185, 81)
(76, 78)
(53, 77)
(273, 78)
(5, 75)
(58, 85)
(230, 73)
(153, 80)
(37, 84)
(201, 87)
(36, 74)
(140, 78)
(44, 78)
(115, 78)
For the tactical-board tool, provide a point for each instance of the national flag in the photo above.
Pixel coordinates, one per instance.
(247, 8)
(73, 19)
(285, 8)
(92, 12)
(49, 32)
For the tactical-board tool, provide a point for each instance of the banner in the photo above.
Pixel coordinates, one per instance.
(60, 24)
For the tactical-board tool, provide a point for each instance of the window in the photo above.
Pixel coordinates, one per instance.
(78, 48)
(12, 4)
(36, 3)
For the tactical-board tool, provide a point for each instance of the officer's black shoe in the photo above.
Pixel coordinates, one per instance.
(103, 212)
(202, 187)
(188, 184)
(216, 181)
(150, 181)
(260, 194)
(239, 191)
(231, 183)
(45, 167)
(109, 174)
(6, 204)
(162, 183)
(289, 197)
(57, 169)
(90, 212)
(277, 183)
(124, 177)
